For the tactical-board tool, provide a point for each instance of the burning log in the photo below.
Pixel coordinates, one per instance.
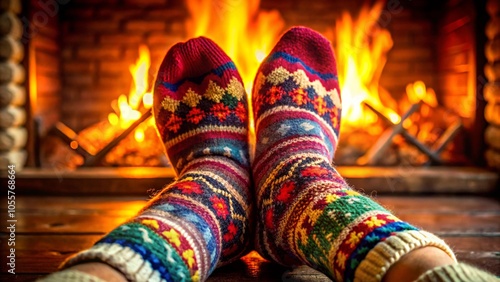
(378, 150)
(99, 144)
(69, 137)
(92, 160)
(13, 138)
(375, 153)
(12, 116)
(11, 49)
(12, 94)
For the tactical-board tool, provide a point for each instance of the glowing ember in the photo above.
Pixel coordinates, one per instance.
(417, 92)
(361, 51)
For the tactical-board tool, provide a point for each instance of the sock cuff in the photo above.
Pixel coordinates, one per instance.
(122, 258)
(389, 251)
(70, 275)
(459, 272)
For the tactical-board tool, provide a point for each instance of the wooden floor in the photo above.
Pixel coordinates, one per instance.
(49, 229)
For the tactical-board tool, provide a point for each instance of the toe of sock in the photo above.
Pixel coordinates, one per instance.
(183, 60)
(310, 47)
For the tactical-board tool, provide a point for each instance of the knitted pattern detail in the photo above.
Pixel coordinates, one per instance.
(307, 214)
(202, 220)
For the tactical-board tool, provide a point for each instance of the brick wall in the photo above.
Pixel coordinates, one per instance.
(100, 39)
(43, 52)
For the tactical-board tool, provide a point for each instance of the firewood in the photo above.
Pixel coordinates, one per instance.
(492, 71)
(12, 117)
(11, 72)
(11, 5)
(492, 113)
(10, 25)
(17, 158)
(12, 94)
(492, 92)
(492, 136)
(11, 49)
(13, 138)
(492, 50)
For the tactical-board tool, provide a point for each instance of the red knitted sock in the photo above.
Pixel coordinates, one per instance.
(201, 220)
(307, 214)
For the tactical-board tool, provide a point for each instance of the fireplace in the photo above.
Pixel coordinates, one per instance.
(78, 53)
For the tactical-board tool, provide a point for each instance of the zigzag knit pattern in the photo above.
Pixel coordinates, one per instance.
(200, 221)
(306, 211)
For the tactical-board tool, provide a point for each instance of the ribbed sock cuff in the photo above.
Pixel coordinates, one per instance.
(459, 272)
(70, 275)
(124, 259)
(388, 252)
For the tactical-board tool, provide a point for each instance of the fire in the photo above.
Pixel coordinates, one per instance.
(128, 109)
(361, 47)
(244, 32)
(417, 92)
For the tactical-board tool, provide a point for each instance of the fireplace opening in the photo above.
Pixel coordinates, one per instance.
(411, 74)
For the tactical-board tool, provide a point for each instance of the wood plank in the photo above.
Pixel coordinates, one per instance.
(111, 181)
(52, 228)
(99, 215)
(401, 204)
(43, 254)
(409, 204)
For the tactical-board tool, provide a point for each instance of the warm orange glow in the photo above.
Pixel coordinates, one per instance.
(147, 100)
(361, 51)
(417, 92)
(254, 263)
(139, 135)
(244, 32)
(73, 145)
(128, 109)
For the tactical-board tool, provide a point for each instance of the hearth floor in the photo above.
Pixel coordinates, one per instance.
(49, 229)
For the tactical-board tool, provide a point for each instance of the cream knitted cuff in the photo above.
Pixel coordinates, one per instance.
(70, 275)
(459, 272)
(124, 259)
(388, 252)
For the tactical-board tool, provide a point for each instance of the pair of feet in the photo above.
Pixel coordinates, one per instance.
(202, 117)
(305, 213)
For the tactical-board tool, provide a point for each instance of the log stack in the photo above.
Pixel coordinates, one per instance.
(13, 133)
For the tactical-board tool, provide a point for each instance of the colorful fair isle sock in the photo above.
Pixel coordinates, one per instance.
(201, 220)
(307, 214)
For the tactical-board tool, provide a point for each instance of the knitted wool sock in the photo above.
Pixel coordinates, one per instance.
(307, 214)
(200, 221)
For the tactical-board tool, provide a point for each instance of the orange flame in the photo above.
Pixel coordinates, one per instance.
(127, 109)
(417, 92)
(244, 32)
(361, 50)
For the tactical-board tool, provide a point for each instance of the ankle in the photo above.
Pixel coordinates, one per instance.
(417, 262)
(100, 270)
